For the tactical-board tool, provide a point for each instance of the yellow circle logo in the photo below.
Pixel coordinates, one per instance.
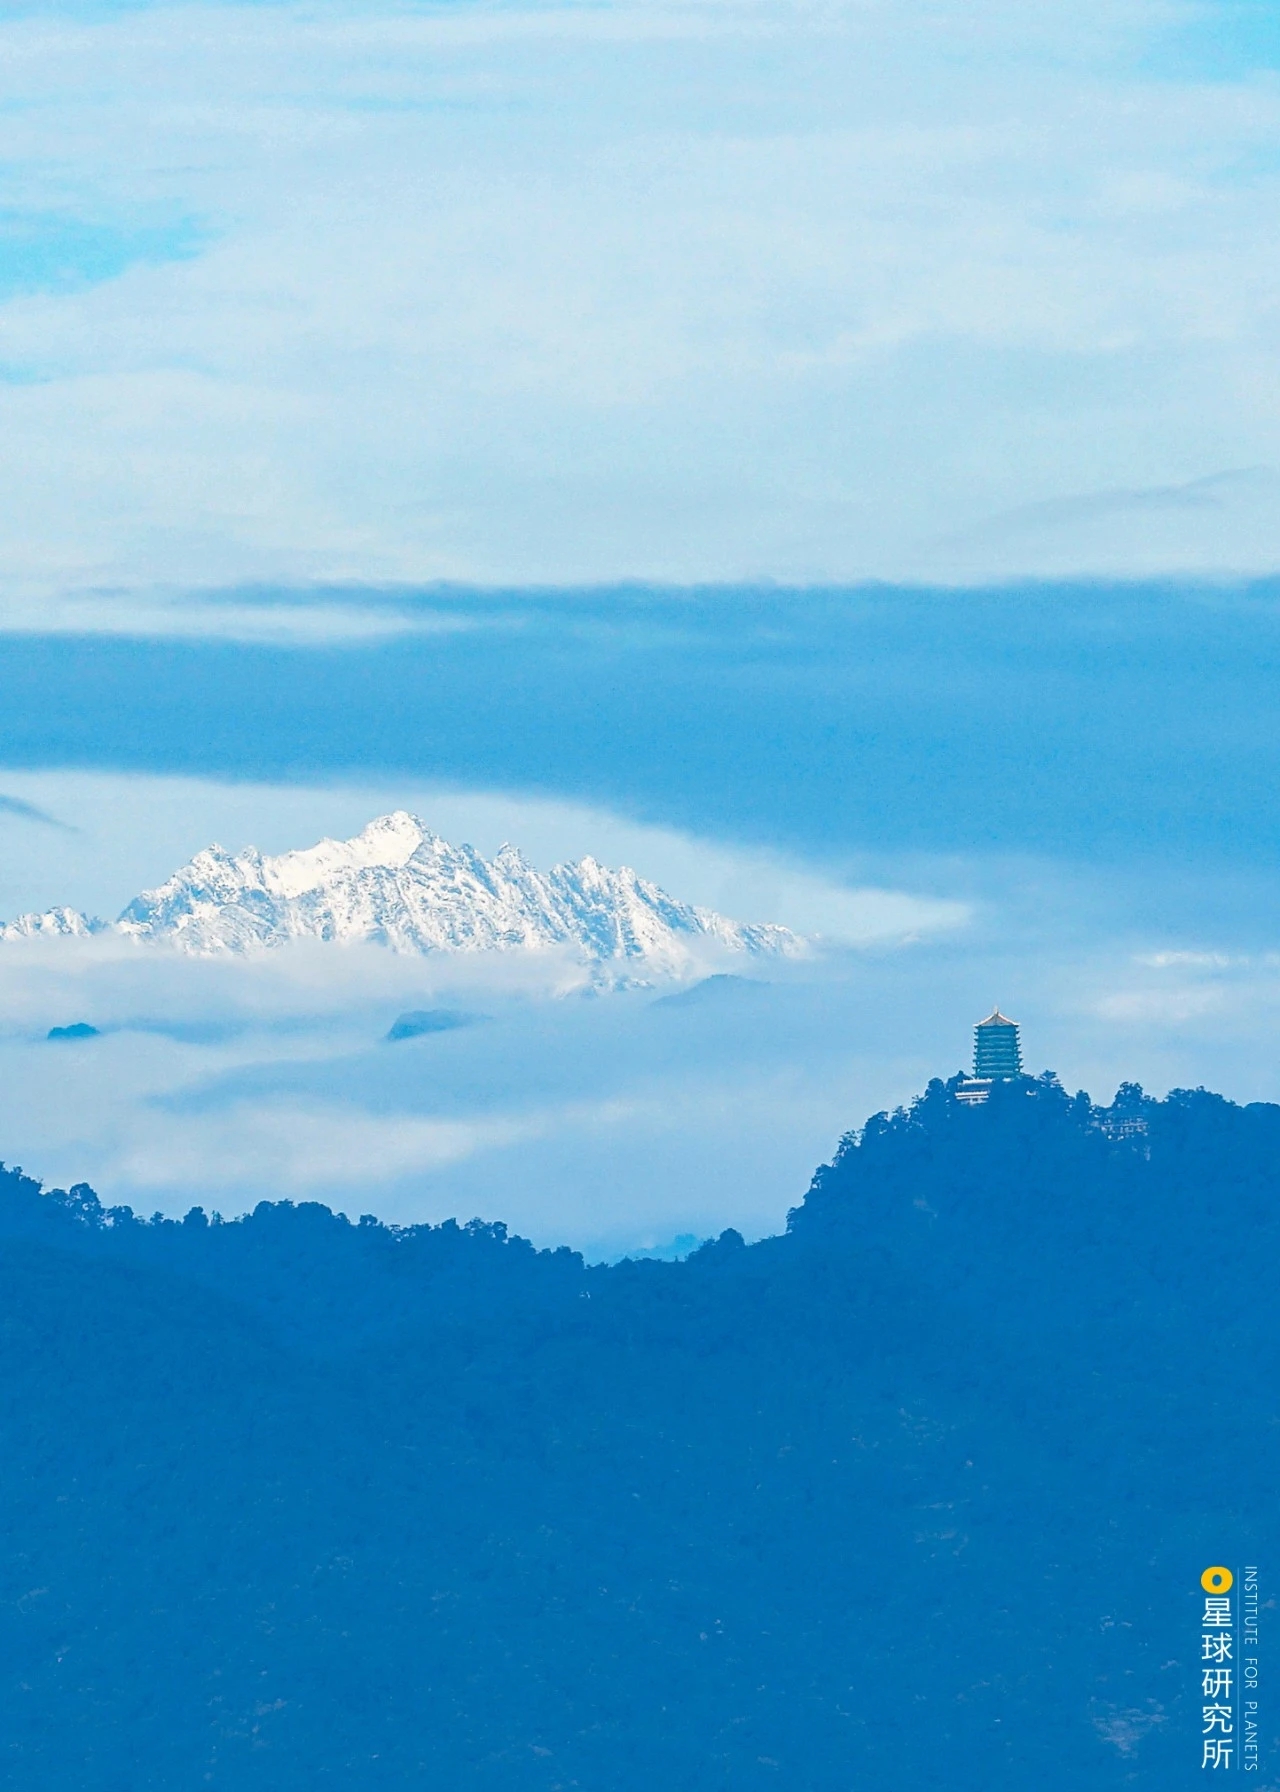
(1217, 1580)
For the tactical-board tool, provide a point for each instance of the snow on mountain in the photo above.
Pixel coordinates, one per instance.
(397, 884)
(55, 923)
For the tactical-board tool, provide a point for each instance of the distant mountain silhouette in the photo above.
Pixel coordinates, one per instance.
(420, 1021)
(723, 986)
(917, 1494)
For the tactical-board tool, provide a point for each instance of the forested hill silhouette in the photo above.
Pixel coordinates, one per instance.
(916, 1494)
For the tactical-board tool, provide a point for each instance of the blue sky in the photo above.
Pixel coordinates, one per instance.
(827, 455)
(49, 253)
(683, 292)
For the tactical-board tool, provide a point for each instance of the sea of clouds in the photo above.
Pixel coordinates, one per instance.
(615, 1121)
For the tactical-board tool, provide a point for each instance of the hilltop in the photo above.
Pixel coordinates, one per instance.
(916, 1493)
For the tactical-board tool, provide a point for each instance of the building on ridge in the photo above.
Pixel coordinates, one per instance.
(997, 1049)
(997, 1057)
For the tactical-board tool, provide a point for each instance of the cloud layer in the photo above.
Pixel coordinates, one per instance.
(678, 291)
(619, 1120)
(616, 1121)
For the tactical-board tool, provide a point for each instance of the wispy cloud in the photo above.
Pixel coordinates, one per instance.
(1197, 522)
(12, 805)
(556, 292)
(1216, 492)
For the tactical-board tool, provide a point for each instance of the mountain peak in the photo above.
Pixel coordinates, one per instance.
(389, 842)
(55, 923)
(395, 883)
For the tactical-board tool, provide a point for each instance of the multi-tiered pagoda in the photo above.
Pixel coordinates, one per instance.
(997, 1056)
(997, 1051)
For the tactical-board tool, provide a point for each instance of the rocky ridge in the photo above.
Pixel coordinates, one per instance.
(399, 885)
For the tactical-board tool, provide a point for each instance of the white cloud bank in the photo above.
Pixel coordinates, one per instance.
(552, 292)
(611, 1122)
(616, 1120)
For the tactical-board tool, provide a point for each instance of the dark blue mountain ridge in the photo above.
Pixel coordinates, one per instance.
(916, 1493)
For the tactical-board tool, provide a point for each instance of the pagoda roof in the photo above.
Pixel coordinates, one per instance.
(996, 1019)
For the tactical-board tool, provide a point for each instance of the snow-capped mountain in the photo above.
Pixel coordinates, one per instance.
(55, 923)
(398, 884)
